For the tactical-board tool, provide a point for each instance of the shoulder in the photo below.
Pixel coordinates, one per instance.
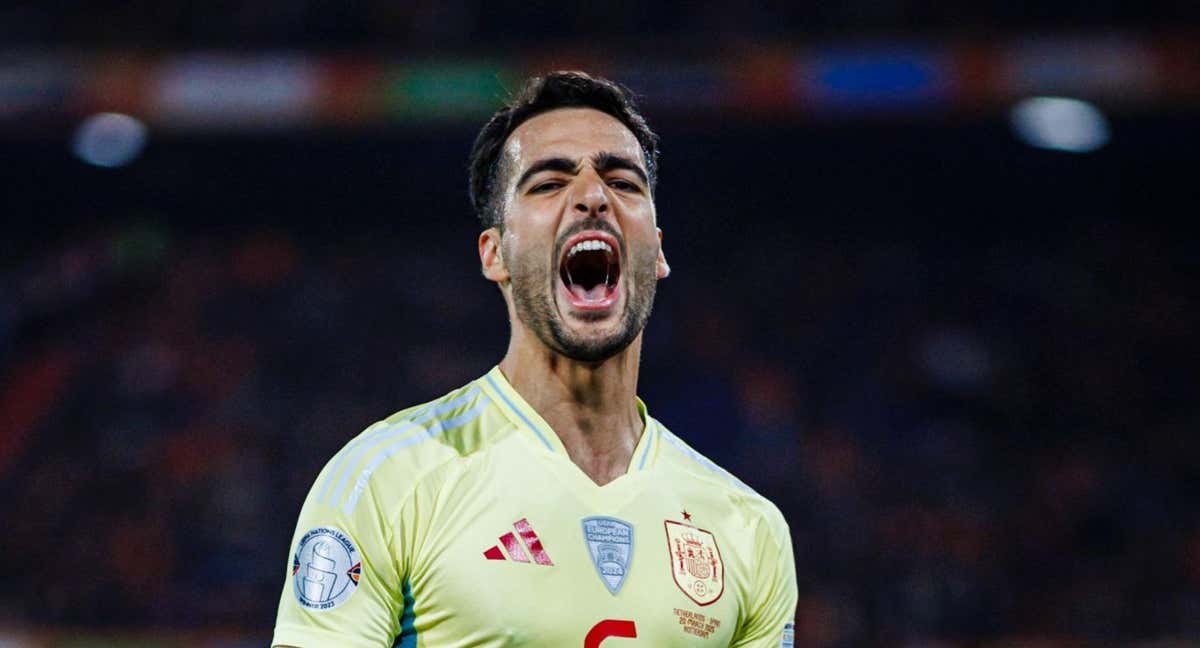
(759, 511)
(393, 455)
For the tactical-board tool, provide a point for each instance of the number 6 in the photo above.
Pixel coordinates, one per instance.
(609, 628)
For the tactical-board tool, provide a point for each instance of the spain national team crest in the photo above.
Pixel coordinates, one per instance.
(610, 543)
(695, 562)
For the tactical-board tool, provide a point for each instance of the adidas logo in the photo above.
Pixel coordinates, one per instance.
(516, 548)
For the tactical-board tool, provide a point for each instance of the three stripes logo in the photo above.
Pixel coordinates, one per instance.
(520, 546)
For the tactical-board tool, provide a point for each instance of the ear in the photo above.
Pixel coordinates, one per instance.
(490, 256)
(660, 265)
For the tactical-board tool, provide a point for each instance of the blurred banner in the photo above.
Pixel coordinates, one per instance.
(273, 90)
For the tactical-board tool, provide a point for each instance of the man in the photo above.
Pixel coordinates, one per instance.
(541, 505)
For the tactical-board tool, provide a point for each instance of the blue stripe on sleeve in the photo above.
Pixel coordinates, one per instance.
(408, 621)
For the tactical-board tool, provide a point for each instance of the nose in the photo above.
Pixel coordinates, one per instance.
(590, 198)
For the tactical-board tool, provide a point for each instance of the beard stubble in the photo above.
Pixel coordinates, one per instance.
(534, 288)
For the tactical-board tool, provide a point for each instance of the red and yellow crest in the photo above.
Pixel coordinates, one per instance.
(695, 562)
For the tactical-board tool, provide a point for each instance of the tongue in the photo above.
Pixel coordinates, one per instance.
(594, 294)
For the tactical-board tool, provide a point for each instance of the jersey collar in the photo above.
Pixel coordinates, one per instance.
(522, 415)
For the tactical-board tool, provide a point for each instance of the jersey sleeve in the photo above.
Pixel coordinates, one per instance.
(773, 611)
(345, 573)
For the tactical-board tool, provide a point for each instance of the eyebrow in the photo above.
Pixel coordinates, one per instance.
(560, 164)
(603, 161)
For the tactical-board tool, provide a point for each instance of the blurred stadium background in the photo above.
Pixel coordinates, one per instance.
(934, 293)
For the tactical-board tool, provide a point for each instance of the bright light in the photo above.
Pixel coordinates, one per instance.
(1060, 124)
(109, 139)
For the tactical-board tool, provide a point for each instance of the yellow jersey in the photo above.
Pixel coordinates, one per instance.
(463, 522)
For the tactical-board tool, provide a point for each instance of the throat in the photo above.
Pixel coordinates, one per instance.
(601, 447)
(591, 408)
(601, 469)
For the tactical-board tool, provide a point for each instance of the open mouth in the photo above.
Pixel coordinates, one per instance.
(589, 271)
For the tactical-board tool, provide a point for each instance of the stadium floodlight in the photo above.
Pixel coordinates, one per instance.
(1060, 124)
(109, 140)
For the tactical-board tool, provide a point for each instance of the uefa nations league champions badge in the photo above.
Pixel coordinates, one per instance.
(610, 542)
(325, 569)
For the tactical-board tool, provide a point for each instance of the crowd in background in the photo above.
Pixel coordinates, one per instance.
(967, 445)
(474, 26)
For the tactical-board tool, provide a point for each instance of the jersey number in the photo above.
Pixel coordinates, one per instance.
(609, 628)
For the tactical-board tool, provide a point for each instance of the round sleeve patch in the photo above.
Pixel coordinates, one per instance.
(789, 636)
(325, 569)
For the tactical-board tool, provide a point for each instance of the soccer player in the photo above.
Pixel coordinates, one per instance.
(541, 504)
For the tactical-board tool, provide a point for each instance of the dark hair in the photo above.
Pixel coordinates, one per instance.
(543, 94)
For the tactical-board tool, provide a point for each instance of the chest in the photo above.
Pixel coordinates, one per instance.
(530, 557)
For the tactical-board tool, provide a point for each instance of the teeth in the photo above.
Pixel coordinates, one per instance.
(591, 244)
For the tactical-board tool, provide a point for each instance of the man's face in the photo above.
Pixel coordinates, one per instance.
(580, 243)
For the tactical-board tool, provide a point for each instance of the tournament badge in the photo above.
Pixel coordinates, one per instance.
(788, 639)
(325, 569)
(610, 543)
(695, 562)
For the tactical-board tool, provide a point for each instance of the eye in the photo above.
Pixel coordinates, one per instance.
(547, 186)
(623, 185)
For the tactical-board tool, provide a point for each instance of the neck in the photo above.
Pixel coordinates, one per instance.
(591, 407)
